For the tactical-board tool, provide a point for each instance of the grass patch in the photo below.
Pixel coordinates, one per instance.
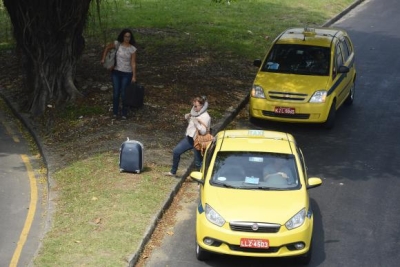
(100, 212)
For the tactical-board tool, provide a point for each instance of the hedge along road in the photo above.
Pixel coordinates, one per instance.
(21, 194)
(356, 208)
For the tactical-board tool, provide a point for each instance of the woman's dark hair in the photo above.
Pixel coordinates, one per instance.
(121, 37)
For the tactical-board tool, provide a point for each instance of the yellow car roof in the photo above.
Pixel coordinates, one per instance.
(309, 36)
(255, 141)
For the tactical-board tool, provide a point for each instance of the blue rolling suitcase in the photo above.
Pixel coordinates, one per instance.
(131, 156)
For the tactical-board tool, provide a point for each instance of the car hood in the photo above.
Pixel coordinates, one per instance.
(282, 82)
(256, 205)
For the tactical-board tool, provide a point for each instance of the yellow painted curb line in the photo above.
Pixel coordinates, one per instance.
(30, 215)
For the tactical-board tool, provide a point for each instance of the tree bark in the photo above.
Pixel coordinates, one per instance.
(48, 34)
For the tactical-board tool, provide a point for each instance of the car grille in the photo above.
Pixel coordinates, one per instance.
(287, 96)
(254, 250)
(289, 116)
(254, 227)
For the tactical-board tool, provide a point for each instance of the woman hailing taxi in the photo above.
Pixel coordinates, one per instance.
(124, 71)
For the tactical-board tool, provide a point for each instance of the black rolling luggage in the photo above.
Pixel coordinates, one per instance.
(131, 156)
(134, 95)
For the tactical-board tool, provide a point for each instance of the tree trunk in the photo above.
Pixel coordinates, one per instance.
(48, 34)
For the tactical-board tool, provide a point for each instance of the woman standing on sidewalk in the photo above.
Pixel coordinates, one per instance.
(124, 71)
(198, 120)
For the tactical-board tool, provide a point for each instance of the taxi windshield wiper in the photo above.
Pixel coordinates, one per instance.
(224, 185)
(263, 188)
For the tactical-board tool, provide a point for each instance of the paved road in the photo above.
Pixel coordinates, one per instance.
(20, 195)
(356, 209)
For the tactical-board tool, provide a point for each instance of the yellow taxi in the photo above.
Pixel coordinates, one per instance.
(254, 197)
(307, 74)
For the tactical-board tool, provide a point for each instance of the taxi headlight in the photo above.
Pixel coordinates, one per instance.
(297, 220)
(319, 97)
(257, 92)
(213, 216)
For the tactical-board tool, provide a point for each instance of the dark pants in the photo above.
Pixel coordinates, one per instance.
(184, 145)
(120, 81)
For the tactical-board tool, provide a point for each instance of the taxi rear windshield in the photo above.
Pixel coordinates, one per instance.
(298, 59)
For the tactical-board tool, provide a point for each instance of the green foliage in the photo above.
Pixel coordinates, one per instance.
(239, 27)
(6, 29)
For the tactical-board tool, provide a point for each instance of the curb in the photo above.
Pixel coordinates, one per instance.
(341, 14)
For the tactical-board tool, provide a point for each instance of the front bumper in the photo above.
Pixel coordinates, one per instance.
(227, 241)
(304, 112)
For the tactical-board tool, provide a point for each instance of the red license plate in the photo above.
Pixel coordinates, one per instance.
(254, 243)
(283, 110)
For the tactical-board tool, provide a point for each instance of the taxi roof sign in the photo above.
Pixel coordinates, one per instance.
(308, 31)
(256, 132)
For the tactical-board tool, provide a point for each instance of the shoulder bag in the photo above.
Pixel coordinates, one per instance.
(202, 141)
(110, 60)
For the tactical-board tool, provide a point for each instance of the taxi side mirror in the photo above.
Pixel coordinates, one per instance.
(343, 69)
(198, 177)
(314, 182)
(257, 62)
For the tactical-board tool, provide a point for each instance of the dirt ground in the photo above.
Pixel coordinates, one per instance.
(171, 79)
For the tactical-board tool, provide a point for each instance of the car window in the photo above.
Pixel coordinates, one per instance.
(339, 56)
(303, 164)
(345, 50)
(298, 59)
(208, 156)
(348, 45)
(254, 170)
(338, 61)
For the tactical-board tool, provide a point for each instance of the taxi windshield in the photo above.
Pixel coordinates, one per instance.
(255, 170)
(298, 59)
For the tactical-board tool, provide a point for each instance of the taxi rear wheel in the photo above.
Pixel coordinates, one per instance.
(202, 254)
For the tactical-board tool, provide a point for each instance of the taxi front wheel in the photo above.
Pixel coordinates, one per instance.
(202, 254)
(330, 121)
(306, 258)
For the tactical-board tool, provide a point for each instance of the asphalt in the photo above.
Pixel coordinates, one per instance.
(228, 117)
